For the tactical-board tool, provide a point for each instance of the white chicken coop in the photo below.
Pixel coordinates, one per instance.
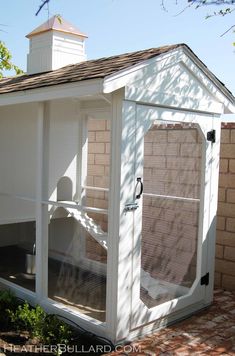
(108, 182)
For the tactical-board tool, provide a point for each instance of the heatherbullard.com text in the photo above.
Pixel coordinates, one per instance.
(62, 348)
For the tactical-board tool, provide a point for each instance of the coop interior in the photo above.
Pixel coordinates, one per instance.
(78, 200)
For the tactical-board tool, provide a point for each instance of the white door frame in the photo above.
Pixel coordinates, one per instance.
(145, 117)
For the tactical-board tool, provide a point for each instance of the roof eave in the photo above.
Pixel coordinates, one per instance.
(30, 35)
(82, 89)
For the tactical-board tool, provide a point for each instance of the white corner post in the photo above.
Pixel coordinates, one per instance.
(120, 222)
(82, 158)
(42, 195)
(214, 176)
(81, 155)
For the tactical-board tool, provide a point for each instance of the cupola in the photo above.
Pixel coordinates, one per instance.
(55, 44)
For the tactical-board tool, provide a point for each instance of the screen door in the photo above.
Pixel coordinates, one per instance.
(172, 164)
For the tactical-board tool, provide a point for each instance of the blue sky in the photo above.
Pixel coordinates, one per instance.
(118, 26)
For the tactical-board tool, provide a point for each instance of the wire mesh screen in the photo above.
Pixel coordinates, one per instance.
(172, 174)
(98, 158)
(73, 279)
(17, 242)
(97, 196)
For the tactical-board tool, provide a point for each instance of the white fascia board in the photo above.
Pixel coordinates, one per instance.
(193, 64)
(81, 89)
(212, 84)
(146, 96)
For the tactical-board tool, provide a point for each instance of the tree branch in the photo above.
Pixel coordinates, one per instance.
(212, 2)
(227, 31)
(44, 2)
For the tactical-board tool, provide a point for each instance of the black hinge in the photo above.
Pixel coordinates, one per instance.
(211, 136)
(205, 279)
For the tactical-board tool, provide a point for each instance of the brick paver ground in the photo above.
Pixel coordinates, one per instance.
(210, 332)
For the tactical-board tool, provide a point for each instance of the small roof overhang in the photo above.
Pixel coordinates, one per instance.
(78, 90)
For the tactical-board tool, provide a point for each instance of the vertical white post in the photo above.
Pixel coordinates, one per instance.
(82, 176)
(79, 154)
(120, 226)
(42, 194)
(143, 124)
(202, 243)
(84, 156)
(214, 183)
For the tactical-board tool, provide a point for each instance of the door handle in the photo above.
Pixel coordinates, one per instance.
(139, 182)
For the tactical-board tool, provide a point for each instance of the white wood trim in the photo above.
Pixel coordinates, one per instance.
(99, 103)
(74, 206)
(16, 220)
(211, 238)
(83, 176)
(81, 89)
(120, 223)
(97, 113)
(95, 188)
(166, 114)
(79, 177)
(79, 153)
(170, 197)
(202, 247)
(112, 294)
(42, 192)
(146, 96)
(107, 98)
(113, 217)
(127, 189)
(84, 137)
(203, 207)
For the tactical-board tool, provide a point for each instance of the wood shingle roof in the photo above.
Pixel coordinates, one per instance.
(92, 69)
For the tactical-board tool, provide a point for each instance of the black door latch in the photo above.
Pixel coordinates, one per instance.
(141, 188)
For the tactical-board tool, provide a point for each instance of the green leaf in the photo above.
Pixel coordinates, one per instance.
(5, 60)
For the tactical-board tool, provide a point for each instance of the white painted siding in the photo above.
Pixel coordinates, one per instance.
(63, 148)
(17, 161)
(176, 86)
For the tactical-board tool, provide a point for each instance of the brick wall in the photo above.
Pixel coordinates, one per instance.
(225, 247)
(98, 176)
(172, 161)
